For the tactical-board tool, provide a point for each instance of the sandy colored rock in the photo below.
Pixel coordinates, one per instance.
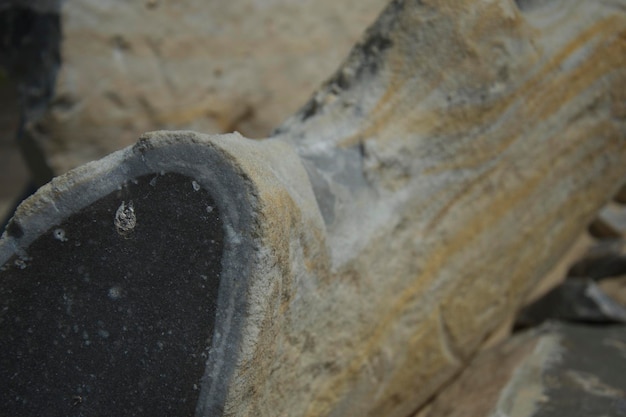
(397, 220)
(215, 67)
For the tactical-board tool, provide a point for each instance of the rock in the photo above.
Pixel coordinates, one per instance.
(13, 172)
(615, 288)
(30, 33)
(607, 258)
(576, 300)
(123, 68)
(391, 225)
(556, 370)
(122, 282)
(620, 197)
(121, 317)
(610, 223)
(591, 293)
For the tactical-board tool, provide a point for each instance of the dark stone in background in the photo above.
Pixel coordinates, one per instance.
(112, 312)
(555, 370)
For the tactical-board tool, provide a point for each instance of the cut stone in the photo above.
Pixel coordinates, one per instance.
(113, 309)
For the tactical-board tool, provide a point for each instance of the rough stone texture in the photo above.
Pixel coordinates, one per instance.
(422, 148)
(133, 66)
(398, 219)
(557, 370)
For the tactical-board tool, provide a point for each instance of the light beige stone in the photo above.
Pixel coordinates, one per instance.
(213, 66)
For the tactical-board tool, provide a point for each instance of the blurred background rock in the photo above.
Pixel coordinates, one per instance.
(89, 76)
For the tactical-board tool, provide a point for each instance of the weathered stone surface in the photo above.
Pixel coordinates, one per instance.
(397, 220)
(125, 283)
(216, 67)
(557, 370)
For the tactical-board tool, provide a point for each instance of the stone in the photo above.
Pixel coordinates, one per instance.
(555, 370)
(124, 282)
(607, 258)
(124, 68)
(610, 223)
(620, 196)
(576, 300)
(119, 318)
(615, 288)
(388, 228)
(591, 293)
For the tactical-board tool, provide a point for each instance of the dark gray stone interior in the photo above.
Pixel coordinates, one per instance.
(114, 316)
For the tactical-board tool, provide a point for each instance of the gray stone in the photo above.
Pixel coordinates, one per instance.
(554, 371)
(575, 300)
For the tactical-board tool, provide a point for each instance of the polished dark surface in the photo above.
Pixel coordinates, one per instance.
(112, 312)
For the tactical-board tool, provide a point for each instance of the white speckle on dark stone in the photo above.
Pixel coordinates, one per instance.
(59, 234)
(195, 186)
(115, 292)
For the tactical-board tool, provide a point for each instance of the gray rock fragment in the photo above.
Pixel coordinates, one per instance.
(553, 371)
(575, 300)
